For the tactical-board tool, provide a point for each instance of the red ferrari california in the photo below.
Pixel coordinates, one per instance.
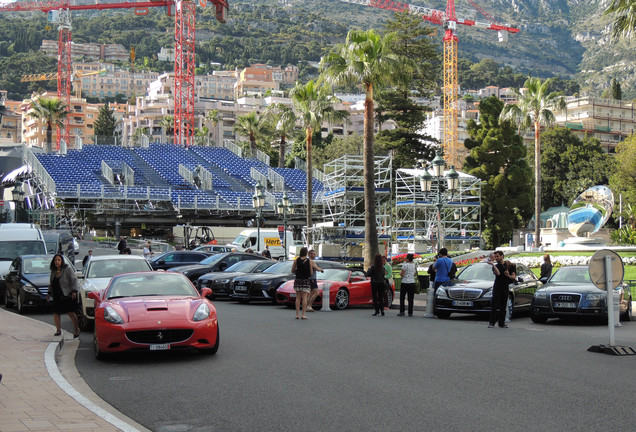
(347, 287)
(153, 311)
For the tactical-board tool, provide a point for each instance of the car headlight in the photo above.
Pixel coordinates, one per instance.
(441, 293)
(30, 289)
(203, 311)
(595, 296)
(540, 295)
(112, 316)
(488, 294)
(224, 281)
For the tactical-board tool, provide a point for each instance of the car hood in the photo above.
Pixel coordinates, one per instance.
(38, 279)
(464, 284)
(95, 284)
(139, 309)
(221, 275)
(551, 287)
(186, 268)
(263, 276)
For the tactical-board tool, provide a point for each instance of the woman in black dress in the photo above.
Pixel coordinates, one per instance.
(63, 289)
(376, 272)
(302, 285)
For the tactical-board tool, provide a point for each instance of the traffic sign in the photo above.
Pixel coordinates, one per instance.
(1, 202)
(281, 232)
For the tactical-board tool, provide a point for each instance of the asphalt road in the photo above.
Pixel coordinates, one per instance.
(349, 371)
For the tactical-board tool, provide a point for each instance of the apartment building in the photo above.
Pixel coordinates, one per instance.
(105, 52)
(255, 79)
(101, 80)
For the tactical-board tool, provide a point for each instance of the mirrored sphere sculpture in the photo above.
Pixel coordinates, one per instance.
(590, 211)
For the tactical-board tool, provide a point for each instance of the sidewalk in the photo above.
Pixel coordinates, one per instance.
(419, 302)
(37, 394)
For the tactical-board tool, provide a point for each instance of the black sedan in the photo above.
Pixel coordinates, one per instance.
(177, 258)
(215, 263)
(222, 283)
(28, 281)
(471, 291)
(263, 286)
(571, 293)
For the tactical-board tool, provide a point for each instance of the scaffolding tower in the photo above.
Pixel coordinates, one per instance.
(415, 225)
(342, 233)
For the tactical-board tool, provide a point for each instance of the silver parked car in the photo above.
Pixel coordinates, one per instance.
(97, 274)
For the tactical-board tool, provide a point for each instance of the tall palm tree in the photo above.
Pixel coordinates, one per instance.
(201, 135)
(366, 59)
(251, 126)
(50, 112)
(214, 117)
(314, 104)
(624, 12)
(283, 119)
(534, 108)
(167, 123)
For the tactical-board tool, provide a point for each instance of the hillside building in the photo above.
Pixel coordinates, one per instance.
(104, 52)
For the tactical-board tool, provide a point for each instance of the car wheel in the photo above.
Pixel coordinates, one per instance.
(342, 299)
(82, 320)
(19, 304)
(215, 348)
(627, 316)
(389, 298)
(7, 303)
(537, 319)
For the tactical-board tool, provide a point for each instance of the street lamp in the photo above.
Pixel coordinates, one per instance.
(18, 196)
(285, 208)
(258, 201)
(444, 183)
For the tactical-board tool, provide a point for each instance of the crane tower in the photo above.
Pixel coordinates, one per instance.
(449, 21)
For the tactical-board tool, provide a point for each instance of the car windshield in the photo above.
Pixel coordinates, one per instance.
(339, 275)
(9, 250)
(572, 275)
(151, 284)
(280, 267)
(111, 267)
(36, 265)
(245, 266)
(477, 272)
(212, 259)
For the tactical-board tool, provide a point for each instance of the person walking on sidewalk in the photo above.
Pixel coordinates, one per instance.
(313, 280)
(407, 288)
(63, 289)
(376, 272)
(302, 269)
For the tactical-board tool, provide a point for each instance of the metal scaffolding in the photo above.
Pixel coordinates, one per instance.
(343, 206)
(415, 225)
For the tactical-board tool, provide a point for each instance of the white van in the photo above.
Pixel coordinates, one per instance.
(269, 237)
(17, 239)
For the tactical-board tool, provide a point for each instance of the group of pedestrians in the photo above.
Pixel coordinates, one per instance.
(305, 268)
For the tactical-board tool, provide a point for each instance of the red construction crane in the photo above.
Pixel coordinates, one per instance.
(449, 20)
(58, 12)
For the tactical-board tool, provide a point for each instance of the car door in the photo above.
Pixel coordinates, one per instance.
(359, 288)
(13, 280)
(526, 287)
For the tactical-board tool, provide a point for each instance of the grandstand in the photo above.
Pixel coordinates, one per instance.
(98, 174)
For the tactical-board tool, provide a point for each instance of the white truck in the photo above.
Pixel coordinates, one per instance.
(247, 239)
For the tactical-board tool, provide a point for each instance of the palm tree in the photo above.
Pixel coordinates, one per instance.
(167, 123)
(50, 112)
(624, 12)
(201, 135)
(214, 117)
(534, 108)
(251, 126)
(314, 104)
(366, 59)
(284, 121)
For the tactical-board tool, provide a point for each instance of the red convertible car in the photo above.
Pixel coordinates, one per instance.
(347, 287)
(153, 311)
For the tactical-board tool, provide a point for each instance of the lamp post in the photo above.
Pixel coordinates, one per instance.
(444, 183)
(258, 201)
(285, 208)
(18, 196)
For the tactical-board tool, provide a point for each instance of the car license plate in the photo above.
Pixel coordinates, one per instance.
(159, 347)
(462, 303)
(292, 296)
(565, 305)
(241, 288)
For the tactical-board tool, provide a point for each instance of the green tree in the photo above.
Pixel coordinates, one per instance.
(617, 93)
(283, 120)
(251, 126)
(338, 147)
(498, 157)
(624, 14)
(167, 123)
(49, 112)
(569, 166)
(104, 127)
(366, 59)
(623, 181)
(314, 104)
(534, 108)
(201, 135)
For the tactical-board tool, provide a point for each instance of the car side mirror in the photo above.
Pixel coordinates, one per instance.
(543, 280)
(520, 279)
(222, 266)
(93, 295)
(206, 292)
(358, 279)
(79, 274)
(161, 262)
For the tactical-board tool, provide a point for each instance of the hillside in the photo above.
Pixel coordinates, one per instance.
(558, 37)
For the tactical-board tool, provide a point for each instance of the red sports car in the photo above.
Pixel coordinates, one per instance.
(347, 287)
(153, 311)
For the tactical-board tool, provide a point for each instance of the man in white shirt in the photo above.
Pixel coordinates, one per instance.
(408, 284)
